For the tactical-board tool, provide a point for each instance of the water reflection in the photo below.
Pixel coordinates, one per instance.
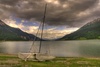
(83, 48)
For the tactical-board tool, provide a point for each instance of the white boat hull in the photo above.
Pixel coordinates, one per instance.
(35, 56)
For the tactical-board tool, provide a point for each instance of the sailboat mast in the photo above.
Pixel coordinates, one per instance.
(43, 26)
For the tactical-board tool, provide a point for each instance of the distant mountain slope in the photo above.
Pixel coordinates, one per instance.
(89, 31)
(13, 34)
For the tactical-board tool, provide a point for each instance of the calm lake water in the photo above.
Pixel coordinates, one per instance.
(82, 48)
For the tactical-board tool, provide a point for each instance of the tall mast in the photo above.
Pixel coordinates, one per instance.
(43, 26)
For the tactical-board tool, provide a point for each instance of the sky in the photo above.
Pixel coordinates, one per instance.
(62, 17)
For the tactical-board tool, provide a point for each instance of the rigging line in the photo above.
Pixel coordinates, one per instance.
(33, 41)
(38, 31)
(43, 26)
(35, 37)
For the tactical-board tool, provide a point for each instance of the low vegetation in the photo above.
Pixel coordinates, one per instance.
(14, 61)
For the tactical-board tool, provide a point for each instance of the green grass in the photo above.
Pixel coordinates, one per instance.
(14, 61)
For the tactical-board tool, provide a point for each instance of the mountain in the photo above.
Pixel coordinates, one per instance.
(8, 33)
(89, 31)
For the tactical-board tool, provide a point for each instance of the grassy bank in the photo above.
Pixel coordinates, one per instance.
(13, 61)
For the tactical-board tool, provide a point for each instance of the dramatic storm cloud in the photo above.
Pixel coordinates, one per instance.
(63, 16)
(59, 12)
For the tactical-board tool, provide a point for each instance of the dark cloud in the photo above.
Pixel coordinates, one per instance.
(9, 2)
(60, 12)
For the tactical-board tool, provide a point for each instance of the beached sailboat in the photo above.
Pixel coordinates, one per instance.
(37, 56)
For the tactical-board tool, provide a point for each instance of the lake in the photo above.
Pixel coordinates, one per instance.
(76, 48)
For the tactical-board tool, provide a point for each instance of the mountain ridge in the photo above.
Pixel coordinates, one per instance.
(90, 30)
(8, 33)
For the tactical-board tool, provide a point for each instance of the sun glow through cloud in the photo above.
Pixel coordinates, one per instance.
(56, 2)
(11, 23)
(49, 1)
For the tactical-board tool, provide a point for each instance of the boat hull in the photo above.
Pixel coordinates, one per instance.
(35, 56)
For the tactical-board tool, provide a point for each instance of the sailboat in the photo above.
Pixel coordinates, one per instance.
(37, 56)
